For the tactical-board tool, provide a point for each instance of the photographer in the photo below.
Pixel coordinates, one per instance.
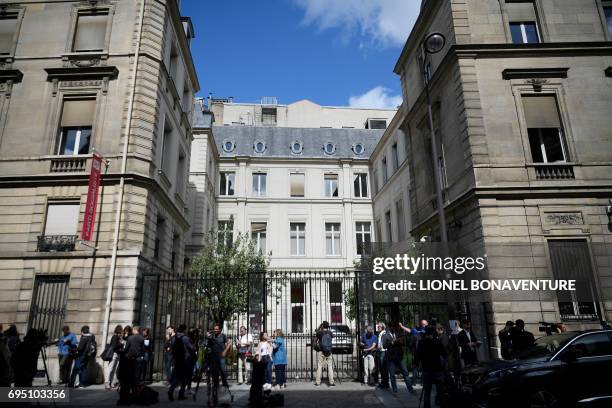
(369, 343)
(86, 350)
(324, 340)
(505, 340)
(521, 339)
(25, 357)
(66, 350)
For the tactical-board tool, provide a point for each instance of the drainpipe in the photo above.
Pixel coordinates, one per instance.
(113, 268)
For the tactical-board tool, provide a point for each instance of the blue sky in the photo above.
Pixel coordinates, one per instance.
(333, 52)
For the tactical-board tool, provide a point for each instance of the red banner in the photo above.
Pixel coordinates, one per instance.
(92, 198)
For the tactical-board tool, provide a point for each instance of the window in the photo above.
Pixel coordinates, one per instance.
(297, 147)
(385, 175)
(296, 181)
(176, 245)
(297, 306)
(523, 22)
(226, 183)
(259, 146)
(331, 185)
(376, 124)
(360, 185)
(395, 156)
(608, 15)
(166, 146)
(297, 238)
(180, 175)
(329, 148)
(593, 345)
(259, 184)
(524, 33)
(174, 62)
(363, 235)
(335, 301)
(90, 33)
(378, 230)
(258, 235)
(544, 129)
(389, 226)
(358, 149)
(228, 146)
(225, 233)
(48, 306)
(159, 236)
(268, 116)
(332, 239)
(75, 126)
(570, 259)
(401, 222)
(375, 179)
(8, 27)
(62, 218)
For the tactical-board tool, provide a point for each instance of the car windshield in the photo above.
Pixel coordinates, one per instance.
(341, 329)
(546, 346)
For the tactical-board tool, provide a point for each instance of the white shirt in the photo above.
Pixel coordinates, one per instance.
(246, 340)
(264, 348)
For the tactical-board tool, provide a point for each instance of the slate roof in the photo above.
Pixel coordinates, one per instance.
(278, 141)
(201, 118)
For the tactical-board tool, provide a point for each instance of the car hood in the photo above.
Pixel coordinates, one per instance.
(495, 365)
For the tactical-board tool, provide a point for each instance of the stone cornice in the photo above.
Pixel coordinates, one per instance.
(529, 73)
(82, 73)
(13, 75)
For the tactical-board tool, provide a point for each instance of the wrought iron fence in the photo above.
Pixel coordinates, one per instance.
(48, 308)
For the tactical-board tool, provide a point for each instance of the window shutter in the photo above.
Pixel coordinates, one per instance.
(258, 227)
(297, 184)
(78, 112)
(8, 25)
(541, 112)
(90, 32)
(62, 219)
(521, 11)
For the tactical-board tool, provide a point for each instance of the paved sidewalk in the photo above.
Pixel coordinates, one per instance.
(300, 395)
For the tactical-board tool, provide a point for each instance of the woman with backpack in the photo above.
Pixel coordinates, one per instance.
(279, 358)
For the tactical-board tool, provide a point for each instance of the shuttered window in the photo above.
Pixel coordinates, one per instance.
(523, 22)
(75, 126)
(8, 26)
(90, 33)
(78, 112)
(62, 218)
(544, 128)
(297, 184)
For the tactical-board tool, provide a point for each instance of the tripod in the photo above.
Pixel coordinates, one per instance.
(43, 353)
(212, 370)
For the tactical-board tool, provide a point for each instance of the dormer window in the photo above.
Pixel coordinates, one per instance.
(259, 146)
(228, 146)
(329, 148)
(297, 147)
(358, 149)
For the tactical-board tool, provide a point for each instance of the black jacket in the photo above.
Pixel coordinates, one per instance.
(83, 348)
(430, 354)
(134, 347)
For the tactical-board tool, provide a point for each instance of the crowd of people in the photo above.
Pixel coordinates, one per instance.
(426, 352)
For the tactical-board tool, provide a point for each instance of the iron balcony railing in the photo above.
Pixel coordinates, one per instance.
(56, 243)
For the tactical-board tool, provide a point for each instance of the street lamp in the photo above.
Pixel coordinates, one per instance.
(433, 44)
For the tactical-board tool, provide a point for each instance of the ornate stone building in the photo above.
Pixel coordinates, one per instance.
(521, 95)
(115, 78)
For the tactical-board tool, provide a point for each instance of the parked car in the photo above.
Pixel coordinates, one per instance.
(561, 370)
(342, 338)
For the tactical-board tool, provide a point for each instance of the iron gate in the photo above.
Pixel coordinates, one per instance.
(296, 302)
(48, 307)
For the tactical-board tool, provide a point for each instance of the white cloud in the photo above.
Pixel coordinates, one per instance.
(376, 98)
(382, 22)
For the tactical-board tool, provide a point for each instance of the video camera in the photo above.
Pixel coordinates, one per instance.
(548, 328)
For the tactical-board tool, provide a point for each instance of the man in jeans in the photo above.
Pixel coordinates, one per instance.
(66, 349)
(86, 350)
(221, 345)
(369, 342)
(324, 337)
(382, 358)
(395, 359)
(430, 355)
(245, 343)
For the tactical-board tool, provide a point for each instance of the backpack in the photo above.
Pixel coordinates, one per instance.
(387, 340)
(178, 349)
(92, 347)
(325, 343)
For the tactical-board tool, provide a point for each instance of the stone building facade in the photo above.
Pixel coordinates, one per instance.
(115, 78)
(521, 95)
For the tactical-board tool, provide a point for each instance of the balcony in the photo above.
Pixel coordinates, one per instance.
(554, 171)
(68, 164)
(56, 243)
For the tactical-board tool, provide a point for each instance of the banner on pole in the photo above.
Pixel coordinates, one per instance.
(92, 198)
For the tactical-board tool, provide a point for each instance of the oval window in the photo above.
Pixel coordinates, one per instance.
(228, 146)
(296, 147)
(358, 149)
(330, 148)
(260, 147)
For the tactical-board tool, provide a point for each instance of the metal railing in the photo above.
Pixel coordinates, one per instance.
(56, 243)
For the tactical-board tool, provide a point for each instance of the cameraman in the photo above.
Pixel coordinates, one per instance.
(25, 357)
(220, 346)
(324, 340)
(66, 350)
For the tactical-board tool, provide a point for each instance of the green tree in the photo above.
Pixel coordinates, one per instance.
(231, 269)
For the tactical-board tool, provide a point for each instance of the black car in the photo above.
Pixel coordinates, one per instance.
(571, 369)
(342, 339)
